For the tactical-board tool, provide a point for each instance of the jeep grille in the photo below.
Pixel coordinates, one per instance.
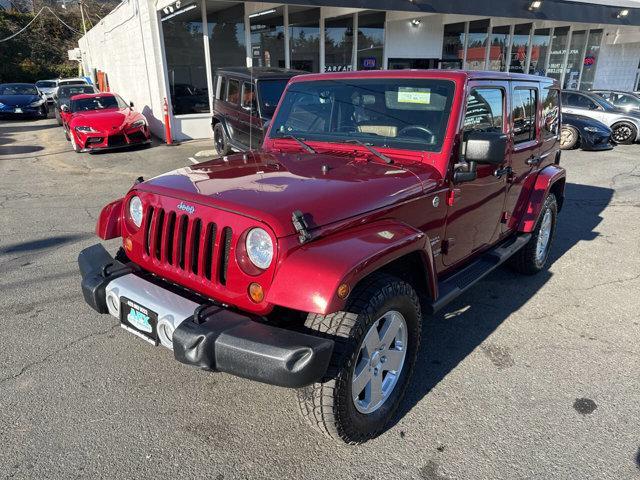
(188, 244)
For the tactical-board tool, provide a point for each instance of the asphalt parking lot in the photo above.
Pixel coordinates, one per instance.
(522, 377)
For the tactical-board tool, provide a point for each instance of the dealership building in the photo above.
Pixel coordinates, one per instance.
(152, 50)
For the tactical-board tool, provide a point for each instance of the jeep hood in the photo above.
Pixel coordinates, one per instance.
(269, 187)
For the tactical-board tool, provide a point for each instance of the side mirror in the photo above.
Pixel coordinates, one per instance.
(486, 148)
(65, 108)
(131, 104)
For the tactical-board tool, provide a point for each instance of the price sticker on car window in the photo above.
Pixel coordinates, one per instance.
(421, 96)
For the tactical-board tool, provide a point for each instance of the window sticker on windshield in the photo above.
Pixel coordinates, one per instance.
(414, 95)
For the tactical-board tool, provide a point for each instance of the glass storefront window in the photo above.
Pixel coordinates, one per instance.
(338, 44)
(519, 48)
(304, 38)
(184, 54)
(574, 60)
(267, 38)
(477, 44)
(370, 40)
(498, 49)
(539, 50)
(558, 51)
(227, 44)
(453, 46)
(590, 59)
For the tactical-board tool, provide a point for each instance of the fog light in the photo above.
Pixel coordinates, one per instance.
(256, 293)
(165, 331)
(113, 304)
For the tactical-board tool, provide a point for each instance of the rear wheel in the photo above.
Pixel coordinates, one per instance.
(220, 141)
(533, 257)
(568, 137)
(377, 338)
(624, 133)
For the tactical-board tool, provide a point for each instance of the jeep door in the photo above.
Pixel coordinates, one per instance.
(230, 110)
(473, 220)
(524, 141)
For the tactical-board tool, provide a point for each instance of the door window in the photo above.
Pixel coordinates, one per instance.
(249, 97)
(578, 101)
(485, 110)
(524, 115)
(233, 91)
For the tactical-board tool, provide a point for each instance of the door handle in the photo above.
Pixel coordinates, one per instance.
(499, 172)
(534, 160)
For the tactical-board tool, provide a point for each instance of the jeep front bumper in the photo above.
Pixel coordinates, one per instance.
(214, 338)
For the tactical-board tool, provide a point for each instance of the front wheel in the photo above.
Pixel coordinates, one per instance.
(624, 133)
(568, 138)
(533, 257)
(74, 144)
(220, 141)
(377, 338)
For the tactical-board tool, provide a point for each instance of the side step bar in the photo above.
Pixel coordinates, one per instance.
(455, 285)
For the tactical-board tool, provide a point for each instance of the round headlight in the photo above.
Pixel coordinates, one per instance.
(135, 211)
(259, 248)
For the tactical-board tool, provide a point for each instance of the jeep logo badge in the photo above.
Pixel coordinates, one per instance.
(186, 208)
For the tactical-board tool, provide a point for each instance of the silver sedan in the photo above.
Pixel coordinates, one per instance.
(625, 126)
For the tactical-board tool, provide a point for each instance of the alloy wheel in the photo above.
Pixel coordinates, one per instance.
(379, 362)
(622, 134)
(543, 236)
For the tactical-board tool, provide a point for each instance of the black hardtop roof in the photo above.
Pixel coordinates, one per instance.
(258, 73)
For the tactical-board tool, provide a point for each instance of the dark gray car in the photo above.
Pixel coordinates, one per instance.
(625, 126)
(64, 94)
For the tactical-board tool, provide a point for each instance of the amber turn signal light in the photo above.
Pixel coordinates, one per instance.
(128, 244)
(256, 293)
(343, 291)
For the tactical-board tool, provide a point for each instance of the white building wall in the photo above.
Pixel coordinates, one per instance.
(618, 62)
(405, 40)
(123, 46)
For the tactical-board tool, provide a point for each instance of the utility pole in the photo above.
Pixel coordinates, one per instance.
(84, 27)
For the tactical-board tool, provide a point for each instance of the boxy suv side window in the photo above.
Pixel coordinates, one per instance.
(233, 91)
(524, 115)
(485, 110)
(249, 97)
(222, 88)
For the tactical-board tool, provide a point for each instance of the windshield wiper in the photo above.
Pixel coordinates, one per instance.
(368, 146)
(304, 145)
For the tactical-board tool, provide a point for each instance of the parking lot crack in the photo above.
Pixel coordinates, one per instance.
(610, 282)
(66, 347)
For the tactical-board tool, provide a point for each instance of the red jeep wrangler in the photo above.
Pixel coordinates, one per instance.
(308, 264)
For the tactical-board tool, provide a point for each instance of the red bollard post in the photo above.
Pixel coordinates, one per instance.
(167, 125)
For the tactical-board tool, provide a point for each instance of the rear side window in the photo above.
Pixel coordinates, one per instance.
(550, 113)
(524, 115)
(578, 101)
(233, 92)
(221, 87)
(485, 110)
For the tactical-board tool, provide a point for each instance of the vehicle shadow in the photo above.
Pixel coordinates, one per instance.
(42, 244)
(451, 335)
(20, 149)
(25, 127)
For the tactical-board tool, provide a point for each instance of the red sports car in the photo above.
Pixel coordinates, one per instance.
(100, 121)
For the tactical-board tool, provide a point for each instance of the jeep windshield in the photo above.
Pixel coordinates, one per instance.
(408, 114)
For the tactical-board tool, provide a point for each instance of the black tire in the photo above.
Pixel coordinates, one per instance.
(58, 118)
(74, 144)
(66, 135)
(526, 260)
(220, 140)
(569, 137)
(624, 133)
(328, 406)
